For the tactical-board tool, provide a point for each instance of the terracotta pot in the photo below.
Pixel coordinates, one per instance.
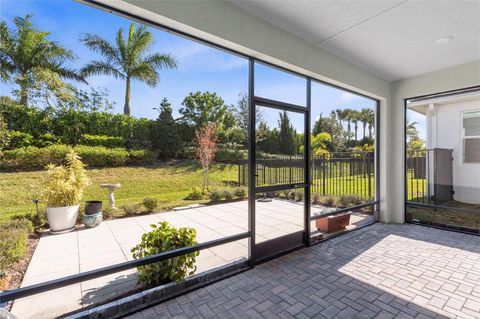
(333, 223)
(5, 282)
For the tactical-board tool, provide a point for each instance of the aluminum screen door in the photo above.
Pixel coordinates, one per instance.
(280, 177)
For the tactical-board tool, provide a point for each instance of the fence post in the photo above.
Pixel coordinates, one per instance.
(369, 178)
(324, 170)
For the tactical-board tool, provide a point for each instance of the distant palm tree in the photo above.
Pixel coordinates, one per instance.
(355, 118)
(343, 115)
(366, 116)
(128, 59)
(27, 57)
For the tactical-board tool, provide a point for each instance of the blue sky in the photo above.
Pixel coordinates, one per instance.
(201, 68)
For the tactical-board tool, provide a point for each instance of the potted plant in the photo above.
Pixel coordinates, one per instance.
(64, 186)
(93, 213)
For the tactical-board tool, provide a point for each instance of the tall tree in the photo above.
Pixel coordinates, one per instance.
(330, 125)
(29, 59)
(128, 59)
(241, 116)
(355, 118)
(366, 116)
(202, 108)
(286, 135)
(206, 145)
(165, 137)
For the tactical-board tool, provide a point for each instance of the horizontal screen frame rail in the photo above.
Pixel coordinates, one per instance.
(8, 295)
(343, 210)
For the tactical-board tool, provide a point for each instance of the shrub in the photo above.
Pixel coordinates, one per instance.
(19, 139)
(291, 195)
(150, 204)
(330, 200)
(97, 156)
(298, 195)
(103, 140)
(14, 239)
(227, 155)
(131, 209)
(64, 184)
(111, 212)
(45, 140)
(349, 200)
(316, 198)
(196, 193)
(163, 238)
(137, 157)
(240, 192)
(100, 156)
(216, 195)
(227, 194)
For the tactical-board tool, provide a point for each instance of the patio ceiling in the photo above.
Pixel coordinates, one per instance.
(393, 39)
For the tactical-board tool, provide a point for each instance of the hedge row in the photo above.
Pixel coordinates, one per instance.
(27, 158)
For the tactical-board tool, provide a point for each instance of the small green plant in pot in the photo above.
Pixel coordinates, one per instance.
(163, 238)
(64, 187)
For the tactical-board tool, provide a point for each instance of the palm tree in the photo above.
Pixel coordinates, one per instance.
(355, 117)
(128, 59)
(27, 57)
(366, 115)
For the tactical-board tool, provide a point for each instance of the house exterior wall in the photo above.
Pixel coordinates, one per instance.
(453, 78)
(466, 176)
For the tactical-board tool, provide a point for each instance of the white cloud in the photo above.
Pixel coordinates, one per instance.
(348, 97)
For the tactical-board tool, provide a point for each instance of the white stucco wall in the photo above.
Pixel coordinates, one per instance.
(453, 78)
(466, 176)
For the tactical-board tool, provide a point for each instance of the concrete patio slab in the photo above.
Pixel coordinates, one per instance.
(110, 243)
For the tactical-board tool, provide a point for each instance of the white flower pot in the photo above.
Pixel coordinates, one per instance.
(62, 219)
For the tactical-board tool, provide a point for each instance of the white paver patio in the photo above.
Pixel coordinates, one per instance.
(110, 243)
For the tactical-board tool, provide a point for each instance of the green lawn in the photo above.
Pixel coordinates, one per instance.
(169, 184)
(446, 217)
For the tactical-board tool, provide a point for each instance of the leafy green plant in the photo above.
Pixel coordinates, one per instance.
(227, 194)
(298, 196)
(150, 204)
(163, 238)
(46, 139)
(240, 192)
(65, 184)
(111, 212)
(349, 200)
(330, 200)
(131, 209)
(19, 139)
(215, 195)
(103, 140)
(196, 193)
(316, 198)
(14, 239)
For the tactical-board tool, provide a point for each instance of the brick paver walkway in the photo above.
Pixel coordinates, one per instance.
(382, 271)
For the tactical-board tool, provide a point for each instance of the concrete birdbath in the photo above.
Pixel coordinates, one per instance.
(111, 188)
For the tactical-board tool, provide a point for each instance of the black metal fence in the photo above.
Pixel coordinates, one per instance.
(339, 173)
(429, 176)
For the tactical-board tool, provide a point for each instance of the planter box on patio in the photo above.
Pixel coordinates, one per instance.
(333, 223)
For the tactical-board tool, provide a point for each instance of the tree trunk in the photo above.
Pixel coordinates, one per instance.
(364, 130)
(126, 108)
(370, 130)
(23, 94)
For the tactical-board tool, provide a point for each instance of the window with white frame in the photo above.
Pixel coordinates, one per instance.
(471, 136)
